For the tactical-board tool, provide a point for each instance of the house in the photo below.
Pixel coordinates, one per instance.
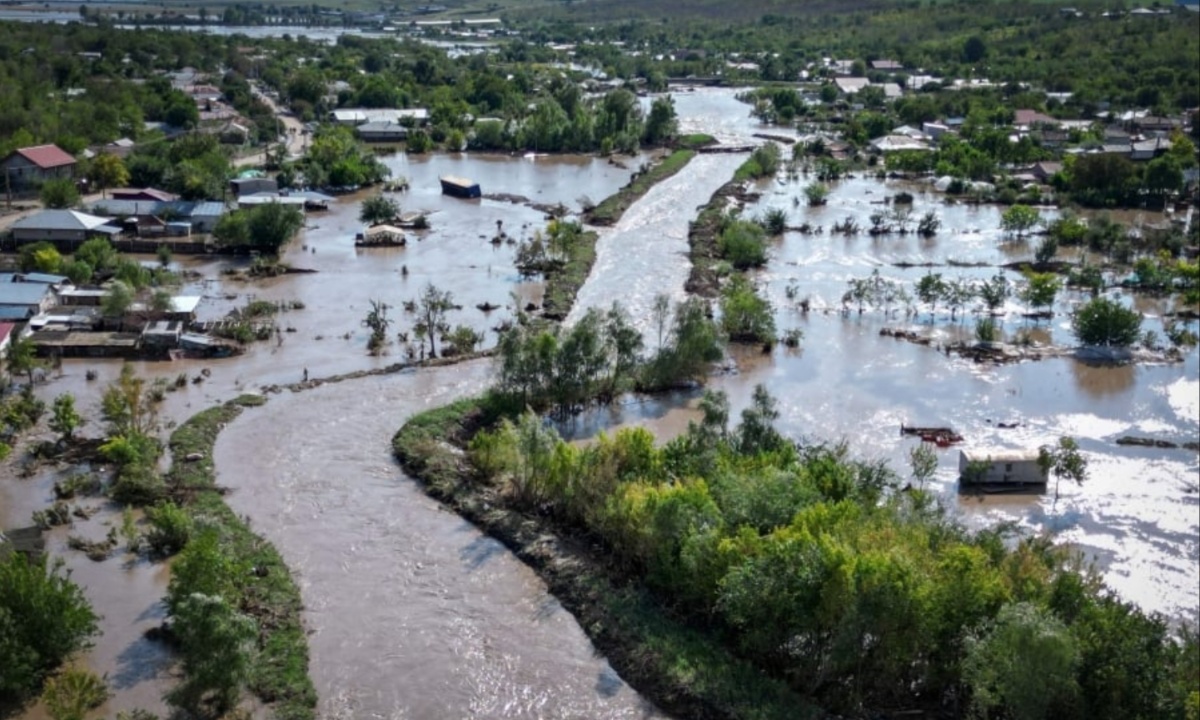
(381, 131)
(1029, 118)
(360, 116)
(266, 198)
(851, 85)
(934, 130)
(233, 133)
(67, 229)
(151, 194)
(1043, 171)
(27, 168)
(1156, 125)
(898, 143)
(154, 217)
(251, 185)
(20, 301)
(891, 91)
(992, 466)
(888, 65)
(1149, 149)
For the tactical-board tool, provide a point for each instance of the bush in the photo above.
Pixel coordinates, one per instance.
(745, 315)
(137, 485)
(743, 244)
(70, 695)
(170, 529)
(1106, 322)
(986, 330)
(44, 617)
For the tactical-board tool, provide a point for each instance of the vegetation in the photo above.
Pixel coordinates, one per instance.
(59, 194)
(796, 555)
(1019, 220)
(72, 693)
(266, 227)
(763, 162)
(746, 316)
(44, 617)
(378, 210)
(1106, 322)
(744, 244)
(610, 210)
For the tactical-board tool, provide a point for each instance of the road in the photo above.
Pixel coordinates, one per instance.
(294, 131)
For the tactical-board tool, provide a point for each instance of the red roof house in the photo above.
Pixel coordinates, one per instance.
(29, 167)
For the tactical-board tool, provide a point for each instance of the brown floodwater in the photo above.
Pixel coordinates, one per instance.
(413, 613)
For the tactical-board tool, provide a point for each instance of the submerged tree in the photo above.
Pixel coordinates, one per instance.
(1063, 461)
(378, 209)
(432, 306)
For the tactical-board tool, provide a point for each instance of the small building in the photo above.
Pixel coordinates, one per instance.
(851, 85)
(162, 334)
(889, 65)
(934, 130)
(381, 131)
(250, 185)
(999, 466)
(67, 229)
(460, 187)
(27, 168)
(81, 297)
(1031, 118)
(21, 300)
(266, 198)
(898, 143)
(359, 116)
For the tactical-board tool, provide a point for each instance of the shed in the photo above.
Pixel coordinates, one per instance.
(381, 131)
(1000, 466)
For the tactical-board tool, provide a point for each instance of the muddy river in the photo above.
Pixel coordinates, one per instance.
(415, 615)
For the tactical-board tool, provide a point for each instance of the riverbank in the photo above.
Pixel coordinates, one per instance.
(684, 670)
(279, 674)
(610, 210)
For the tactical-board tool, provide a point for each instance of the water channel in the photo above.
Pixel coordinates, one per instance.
(414, 614)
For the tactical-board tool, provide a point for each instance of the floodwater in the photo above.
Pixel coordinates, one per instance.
(413, 613)
(416, 615)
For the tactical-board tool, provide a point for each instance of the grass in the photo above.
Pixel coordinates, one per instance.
(614, 206)
(684, 669)
(695, 141)
(562, 285)
(279, 674)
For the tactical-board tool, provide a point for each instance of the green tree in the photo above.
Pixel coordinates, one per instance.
(1019, 219)
(233, 229)
(744, 244)
(216, 644)
(994, 292)
(1040, 290)
(1163, 176)
(71, 694)
(44, 617)
(108, 170)
(117, 300)
(99, 254)
(22, 359)
(432, 306)
(65, 420)
(1063, 461)
(1106, 322)
(59, 194)
(661, 125)
(41, 257)
(272, 225)
(377, 210)
(1024, 665)
(746, 316)
(931, 289)
(924, 463)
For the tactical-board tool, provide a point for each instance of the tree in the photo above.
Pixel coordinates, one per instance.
(1040, 290)
(1019, 219)
(432, 306)
(65, 420)
(117, 300)
(743, 243)
(1106, 322)
(817, 193)
(272, 225)
(233, 229)
(931, 288)
(377, 210)
(746, 316)
(126, 406)
(1063, 461)
(1024, 664)
(378, 322)
(22, 358)
(661, 125)
(216, 642)
(59, 193)
(107, 171)
(994, 292)
(1046, 250)
(44, 617)
(99, 254)
(71, 694)
(1163, 176)
(924, 463)
(974, 49)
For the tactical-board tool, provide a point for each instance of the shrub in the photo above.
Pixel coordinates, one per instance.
(170, 529)
(986, 330)
(70, 695)
(745, 315)
(1106, 322)
(44, 617)
(743, 244)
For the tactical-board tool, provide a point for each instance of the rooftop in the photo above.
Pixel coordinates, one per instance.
(60, 220)
(46, 156)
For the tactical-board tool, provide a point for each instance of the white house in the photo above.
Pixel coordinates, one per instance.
(999, 466)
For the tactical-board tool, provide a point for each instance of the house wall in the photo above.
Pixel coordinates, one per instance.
(24, 175)
(28, 235)
(1018, 472)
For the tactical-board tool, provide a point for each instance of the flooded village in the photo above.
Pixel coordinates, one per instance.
(409, 610)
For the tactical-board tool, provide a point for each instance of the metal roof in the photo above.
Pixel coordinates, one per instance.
(23, 294)
(999, 455)
(208, 209)
(46, 156)
(60, 220)
(14, 312)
